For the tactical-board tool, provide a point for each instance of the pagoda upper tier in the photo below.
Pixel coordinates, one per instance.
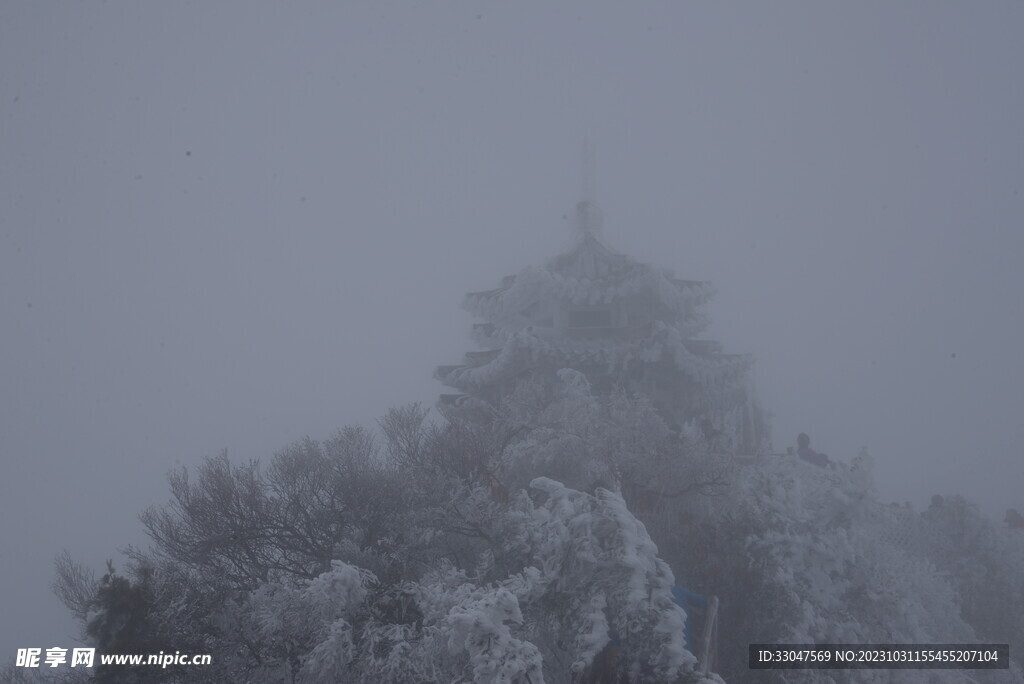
(622, 323)
(592, 288)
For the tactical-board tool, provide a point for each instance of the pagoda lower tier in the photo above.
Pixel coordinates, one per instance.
(688, 381)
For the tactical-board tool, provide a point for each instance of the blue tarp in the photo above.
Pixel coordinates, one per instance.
(694, 605)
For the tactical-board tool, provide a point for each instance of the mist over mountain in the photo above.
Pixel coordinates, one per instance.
(226, 227)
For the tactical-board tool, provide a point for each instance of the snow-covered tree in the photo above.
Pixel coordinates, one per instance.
(803, 554)
(434, 558)
(538, 540)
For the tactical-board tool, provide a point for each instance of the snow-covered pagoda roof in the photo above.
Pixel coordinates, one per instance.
(590, 274)
(699, 359)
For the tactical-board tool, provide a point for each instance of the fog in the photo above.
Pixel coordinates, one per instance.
(228, 226)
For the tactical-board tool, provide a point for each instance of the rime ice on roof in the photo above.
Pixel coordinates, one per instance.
(622, 323)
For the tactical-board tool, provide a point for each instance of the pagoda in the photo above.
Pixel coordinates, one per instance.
(623, 324)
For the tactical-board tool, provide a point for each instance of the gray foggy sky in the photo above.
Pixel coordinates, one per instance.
(230, 225)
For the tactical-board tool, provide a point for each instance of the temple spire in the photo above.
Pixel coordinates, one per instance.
(588, 216)
(589, 191)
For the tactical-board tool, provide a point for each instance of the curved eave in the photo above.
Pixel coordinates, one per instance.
(467, 377)
(701, 291)
(706, 365)
(504, 305)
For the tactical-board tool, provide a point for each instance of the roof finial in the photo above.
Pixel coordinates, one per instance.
(589, 191)
(588, 216)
